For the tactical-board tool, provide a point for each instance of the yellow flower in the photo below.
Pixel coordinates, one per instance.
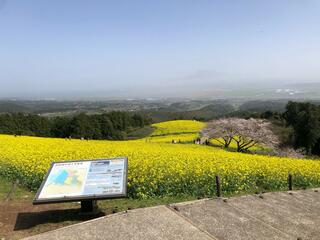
(156, 166)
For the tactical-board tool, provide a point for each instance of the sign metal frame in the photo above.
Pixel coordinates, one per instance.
(38, 201)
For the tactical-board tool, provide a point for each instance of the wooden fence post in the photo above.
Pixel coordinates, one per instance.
(12, 190)
(290, 182)
(218, 185)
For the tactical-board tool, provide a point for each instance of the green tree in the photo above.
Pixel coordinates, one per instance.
(305, 120)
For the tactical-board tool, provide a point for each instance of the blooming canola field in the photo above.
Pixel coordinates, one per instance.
(156, 166)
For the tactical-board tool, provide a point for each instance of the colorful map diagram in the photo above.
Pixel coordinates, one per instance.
(65, 180)
(64, 177)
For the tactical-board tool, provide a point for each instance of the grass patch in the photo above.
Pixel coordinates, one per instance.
(140, 133)
(20, 193)
(129, 203)
(122, 204)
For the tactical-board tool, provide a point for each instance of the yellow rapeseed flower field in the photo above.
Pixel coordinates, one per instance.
(179, 130)
(159, 168)
(177, 127)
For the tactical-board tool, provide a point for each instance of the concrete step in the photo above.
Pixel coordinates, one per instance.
(279, 215)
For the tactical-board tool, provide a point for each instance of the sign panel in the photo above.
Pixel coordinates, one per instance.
(81, 180)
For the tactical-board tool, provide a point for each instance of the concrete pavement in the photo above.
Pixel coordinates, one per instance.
(281, 215)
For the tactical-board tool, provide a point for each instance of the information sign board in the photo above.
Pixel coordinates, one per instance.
(84, 180)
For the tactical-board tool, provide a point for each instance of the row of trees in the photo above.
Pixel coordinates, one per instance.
(113, 125)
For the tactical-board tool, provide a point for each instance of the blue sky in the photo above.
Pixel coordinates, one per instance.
(112, 46)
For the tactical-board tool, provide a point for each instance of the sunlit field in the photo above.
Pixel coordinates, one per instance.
(156, 166)
(177, 127)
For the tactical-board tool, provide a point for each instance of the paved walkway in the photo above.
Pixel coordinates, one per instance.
(283, 215)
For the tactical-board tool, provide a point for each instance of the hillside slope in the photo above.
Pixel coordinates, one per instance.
(159, 168)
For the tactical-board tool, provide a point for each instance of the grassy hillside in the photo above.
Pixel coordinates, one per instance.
(159, 168)
(182, 131)
(177, 127)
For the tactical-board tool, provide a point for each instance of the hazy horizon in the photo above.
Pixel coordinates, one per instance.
(156, 48)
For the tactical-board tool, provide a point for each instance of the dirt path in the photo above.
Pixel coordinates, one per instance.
(19, 218)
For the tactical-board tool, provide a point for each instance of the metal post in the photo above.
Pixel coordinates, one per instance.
(218, 185)
(290, 182)
(89, 206)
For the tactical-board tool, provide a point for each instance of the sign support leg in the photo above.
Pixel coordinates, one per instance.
(89, 206)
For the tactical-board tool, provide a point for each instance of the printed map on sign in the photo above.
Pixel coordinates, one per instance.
(65, 179)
